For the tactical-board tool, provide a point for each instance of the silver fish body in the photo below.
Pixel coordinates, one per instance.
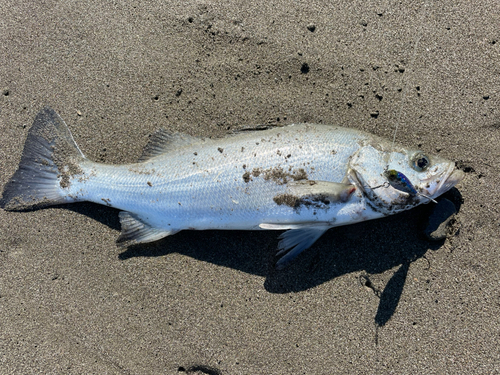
(304, 178)
(238, 182)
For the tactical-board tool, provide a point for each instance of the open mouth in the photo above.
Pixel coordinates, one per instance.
(452, 178)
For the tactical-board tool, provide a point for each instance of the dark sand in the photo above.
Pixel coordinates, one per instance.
(373, 298)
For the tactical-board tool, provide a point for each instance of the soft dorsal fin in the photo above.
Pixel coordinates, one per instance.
(163, 141)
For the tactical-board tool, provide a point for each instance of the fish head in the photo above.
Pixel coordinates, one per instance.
(428, 175)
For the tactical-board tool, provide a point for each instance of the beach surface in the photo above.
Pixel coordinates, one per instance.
(370, 298)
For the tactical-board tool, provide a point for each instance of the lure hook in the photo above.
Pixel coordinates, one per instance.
(400, 182)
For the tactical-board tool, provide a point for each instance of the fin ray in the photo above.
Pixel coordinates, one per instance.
(50, 155)
(294, 241)
(163, 141)
(286, 226)
(135, 230)
(315, 190)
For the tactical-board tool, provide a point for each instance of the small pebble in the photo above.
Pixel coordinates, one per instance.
(441, 216)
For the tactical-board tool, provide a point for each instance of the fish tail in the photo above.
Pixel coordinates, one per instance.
(50, 157)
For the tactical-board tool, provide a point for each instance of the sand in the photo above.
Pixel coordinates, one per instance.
(372, 298)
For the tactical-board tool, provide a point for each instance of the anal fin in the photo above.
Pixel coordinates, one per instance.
(134, 230)
(295, 241)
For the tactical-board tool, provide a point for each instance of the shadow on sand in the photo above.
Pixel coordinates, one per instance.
(373, 247)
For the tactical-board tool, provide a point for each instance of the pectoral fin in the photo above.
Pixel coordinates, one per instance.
(294, 241)
(134, 230)
(321, 191)
(286, 226)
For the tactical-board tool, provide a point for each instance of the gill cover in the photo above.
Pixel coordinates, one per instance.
(429, 176)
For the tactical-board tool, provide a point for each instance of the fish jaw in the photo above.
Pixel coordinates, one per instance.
(368, 171)
(451, 178)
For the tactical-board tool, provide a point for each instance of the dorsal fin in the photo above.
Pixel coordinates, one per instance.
(255, 128)
(163, 141)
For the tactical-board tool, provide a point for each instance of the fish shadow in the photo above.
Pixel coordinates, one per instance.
(372, 247)
(103, 214)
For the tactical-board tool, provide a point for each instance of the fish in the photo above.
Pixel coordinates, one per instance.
(302, 179)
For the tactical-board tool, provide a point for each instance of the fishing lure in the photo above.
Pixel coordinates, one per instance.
(400, 182)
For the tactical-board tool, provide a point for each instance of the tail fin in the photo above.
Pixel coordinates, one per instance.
(50, 158)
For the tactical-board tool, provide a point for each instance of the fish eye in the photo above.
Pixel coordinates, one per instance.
(420, 162)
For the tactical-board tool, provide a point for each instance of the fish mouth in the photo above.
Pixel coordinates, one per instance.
(448, 180)
(451, 177)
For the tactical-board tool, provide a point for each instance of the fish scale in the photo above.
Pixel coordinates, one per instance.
(214, 184)
(303, 178)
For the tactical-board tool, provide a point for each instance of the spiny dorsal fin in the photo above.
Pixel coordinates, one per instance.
(134, 230)
(255, 128)
(163, 141)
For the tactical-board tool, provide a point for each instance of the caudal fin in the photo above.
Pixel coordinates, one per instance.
(50, 157)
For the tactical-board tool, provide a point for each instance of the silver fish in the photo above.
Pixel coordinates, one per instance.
(302, 178)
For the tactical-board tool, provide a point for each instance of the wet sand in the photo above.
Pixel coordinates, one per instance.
(371, 298)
